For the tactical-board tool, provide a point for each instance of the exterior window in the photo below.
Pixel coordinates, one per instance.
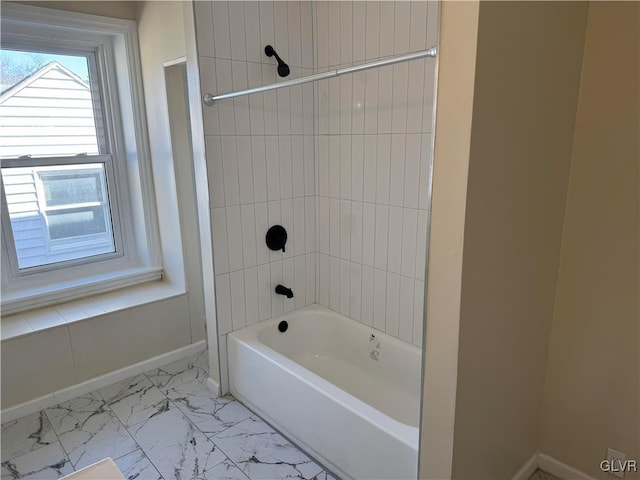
(58, 213)
(75, 187)
(50, 109)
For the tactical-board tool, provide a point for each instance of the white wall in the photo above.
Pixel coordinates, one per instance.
(162, 39)
(527, 75)
(592, 388)
(373, 147)
(50, 360)
(260, 158)
(456, 66)
(503, 177)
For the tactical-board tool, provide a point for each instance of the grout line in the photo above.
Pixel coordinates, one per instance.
(64, 450)
(316, 135)
(376, 203)
(229, 24)
(186, 417)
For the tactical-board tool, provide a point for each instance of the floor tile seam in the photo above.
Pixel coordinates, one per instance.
(223, 430)
(90, 412)
(270, 433)
(19, 456)
(47, 466)
(162, 390)
(144, 452)
(199, 430)
(150, 408)
(254, 417)
(115, 417)
(203, 432)
(232, 463)
(64, 450)
(110, 401)
(165, 397)
(146, 455)
(311, 458)
(228, 457)
(41, 412)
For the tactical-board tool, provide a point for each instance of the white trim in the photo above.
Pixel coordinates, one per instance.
(52, 399)
(561, 470)
(202, 190)
(527, 469)
(550, 465)
(136, 132)
(34, 14)
(175, 61)
(38, 298)
(214, 387)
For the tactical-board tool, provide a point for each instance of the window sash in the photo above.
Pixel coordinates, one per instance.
(99, 95)
(64, 244)
(111, 202)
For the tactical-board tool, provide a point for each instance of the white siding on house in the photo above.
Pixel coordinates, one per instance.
(26, 221)
(52, 114)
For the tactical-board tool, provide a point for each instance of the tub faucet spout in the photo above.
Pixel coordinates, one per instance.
(282, 290)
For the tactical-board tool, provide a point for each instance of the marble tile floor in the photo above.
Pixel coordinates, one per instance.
(163, 424)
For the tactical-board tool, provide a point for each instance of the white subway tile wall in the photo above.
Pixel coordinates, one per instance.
(343, 164)
(373, 154)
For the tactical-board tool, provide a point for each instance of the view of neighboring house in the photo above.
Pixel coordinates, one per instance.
(55, 211)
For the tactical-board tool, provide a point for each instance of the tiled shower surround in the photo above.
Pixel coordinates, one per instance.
(260, 155)
(343, 164)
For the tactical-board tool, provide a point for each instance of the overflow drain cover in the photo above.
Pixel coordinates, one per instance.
(282, 326)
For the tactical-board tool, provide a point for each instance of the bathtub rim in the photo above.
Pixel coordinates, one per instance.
(248, 336)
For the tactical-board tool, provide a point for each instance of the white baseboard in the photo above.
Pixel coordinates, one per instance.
(559, 469)
(550, 465)
(88, 386)
(528, 468)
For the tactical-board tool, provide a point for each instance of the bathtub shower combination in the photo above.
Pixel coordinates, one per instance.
(347, 394)
(319, 119)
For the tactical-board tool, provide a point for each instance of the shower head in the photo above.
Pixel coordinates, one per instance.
(283, 68)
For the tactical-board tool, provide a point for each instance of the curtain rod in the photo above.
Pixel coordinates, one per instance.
(209, 99)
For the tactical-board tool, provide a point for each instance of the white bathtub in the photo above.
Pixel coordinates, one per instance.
(320, 384)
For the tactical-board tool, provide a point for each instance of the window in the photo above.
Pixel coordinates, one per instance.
(77, 214)
(58, 213)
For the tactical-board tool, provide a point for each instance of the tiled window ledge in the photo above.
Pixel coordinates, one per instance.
(25, 323)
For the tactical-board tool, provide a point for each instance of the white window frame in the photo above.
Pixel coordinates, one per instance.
(114, 45)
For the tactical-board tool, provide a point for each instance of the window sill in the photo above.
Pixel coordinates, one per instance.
(32, 321)
(27, 299)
